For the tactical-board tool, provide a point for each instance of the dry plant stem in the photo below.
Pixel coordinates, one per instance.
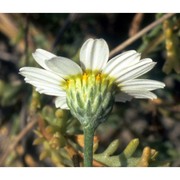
(8, 56)
(7, 22)
(139, 34)
(15, 142)
(135, 25)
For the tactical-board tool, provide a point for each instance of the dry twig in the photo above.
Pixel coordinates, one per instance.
(15, 142)
(139, 34)
(135, 25)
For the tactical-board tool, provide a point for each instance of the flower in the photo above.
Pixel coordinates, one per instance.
(96, 83)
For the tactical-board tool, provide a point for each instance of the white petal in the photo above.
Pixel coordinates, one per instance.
(51, 92)
(135, 71)
(141, 94)
(41, 56)
(122, 97)
(138, 84)
(45, 86)
(40, 75)
(60, 102)
(94, 54)
(63, 66)
(45, 82)
(121, 61)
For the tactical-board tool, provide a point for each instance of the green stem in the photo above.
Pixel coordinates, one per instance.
(88, 146)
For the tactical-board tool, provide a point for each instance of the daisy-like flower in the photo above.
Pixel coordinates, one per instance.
(89, 90)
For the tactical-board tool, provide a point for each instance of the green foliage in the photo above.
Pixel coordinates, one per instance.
(126, 158)
(9, 93)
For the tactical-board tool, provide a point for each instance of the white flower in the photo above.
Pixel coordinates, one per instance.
(123, 70)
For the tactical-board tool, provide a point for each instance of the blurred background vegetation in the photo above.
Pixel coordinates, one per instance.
(34, 133)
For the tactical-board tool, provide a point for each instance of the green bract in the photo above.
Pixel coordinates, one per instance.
(90, 97)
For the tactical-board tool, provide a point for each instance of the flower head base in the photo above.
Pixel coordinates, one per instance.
(90, 97)
(89, 90)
